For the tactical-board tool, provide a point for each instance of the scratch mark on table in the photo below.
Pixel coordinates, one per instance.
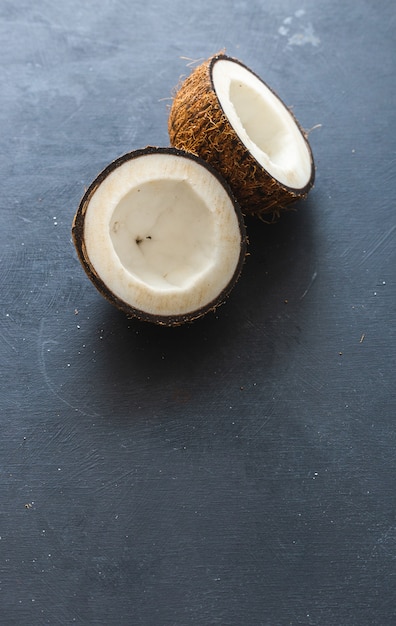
(42, 345)
(311, 282)
(380, 242)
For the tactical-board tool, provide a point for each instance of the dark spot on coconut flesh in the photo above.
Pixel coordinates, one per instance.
(139, 239)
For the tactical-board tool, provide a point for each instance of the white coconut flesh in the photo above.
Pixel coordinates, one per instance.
(263, 123)
(162, 234)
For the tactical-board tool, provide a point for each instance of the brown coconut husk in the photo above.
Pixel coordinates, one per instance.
(198, 124)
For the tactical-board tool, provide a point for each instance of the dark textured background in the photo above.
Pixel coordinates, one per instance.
(241, 470)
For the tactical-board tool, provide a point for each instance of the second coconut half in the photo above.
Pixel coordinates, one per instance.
(227, 115)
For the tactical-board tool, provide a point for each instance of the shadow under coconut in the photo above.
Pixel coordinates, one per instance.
(281, 257)
(275, 272)
(162, 352)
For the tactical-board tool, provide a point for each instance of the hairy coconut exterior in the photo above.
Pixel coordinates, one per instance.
(197, 123)
(79, 243)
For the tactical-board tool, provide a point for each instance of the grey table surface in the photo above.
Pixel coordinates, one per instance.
(236, 471)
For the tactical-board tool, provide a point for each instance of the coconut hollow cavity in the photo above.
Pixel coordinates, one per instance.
(227, 115)
(160, 235)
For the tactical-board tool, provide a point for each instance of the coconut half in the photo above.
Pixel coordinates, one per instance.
(160, 235)
(227, 115)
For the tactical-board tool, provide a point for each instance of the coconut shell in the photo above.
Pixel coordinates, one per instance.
(78, 237)
(197, 123)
